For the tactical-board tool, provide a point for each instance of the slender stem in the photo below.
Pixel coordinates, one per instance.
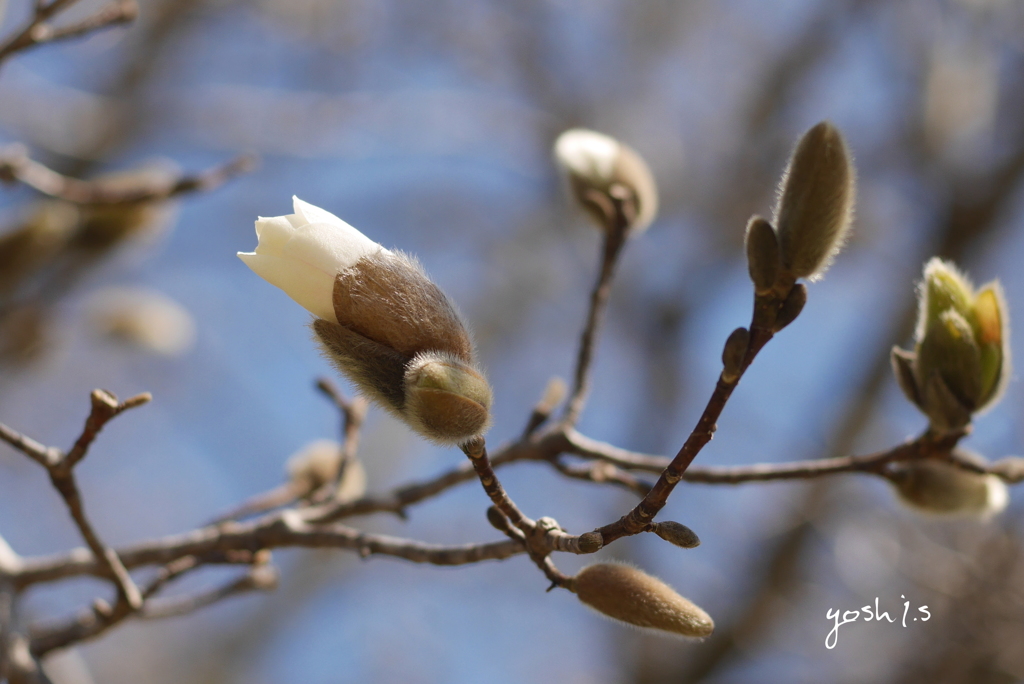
(476, 450)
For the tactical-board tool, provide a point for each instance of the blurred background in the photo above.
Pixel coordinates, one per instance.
(428, 126)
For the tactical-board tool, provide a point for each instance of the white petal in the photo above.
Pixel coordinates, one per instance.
(273, 233)
(314, 214)
(328, 248)
(587, 153)
(313, 289)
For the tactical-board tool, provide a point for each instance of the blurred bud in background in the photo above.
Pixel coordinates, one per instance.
(942, 488)
(322, 462)
(602, 171)
(961, 359)
(146, 319)
(34, 241)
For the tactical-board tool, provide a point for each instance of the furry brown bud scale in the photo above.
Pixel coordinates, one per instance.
(629, 595)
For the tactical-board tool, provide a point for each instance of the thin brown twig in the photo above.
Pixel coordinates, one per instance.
(37, 31)
(17, 167)
(615, 235)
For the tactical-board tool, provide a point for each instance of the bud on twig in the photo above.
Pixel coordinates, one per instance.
(961, 359)
(815, 206)
(939, 487)
(676, 533)
(380, 319)
(595, 165)
(763, 259)
(629, 595)
(791, 307)
(733, 353)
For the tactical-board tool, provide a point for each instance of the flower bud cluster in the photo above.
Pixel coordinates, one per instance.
(961, 359)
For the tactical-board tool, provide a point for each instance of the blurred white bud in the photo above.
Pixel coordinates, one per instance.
(380, 320)
(942, 488)
(145, 318)
(594, 165)
(319, 462)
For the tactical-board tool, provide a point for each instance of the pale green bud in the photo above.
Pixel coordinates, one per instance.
(598, 168)
(961, 362)
(815, 206)
(939, 487)
(629, 595)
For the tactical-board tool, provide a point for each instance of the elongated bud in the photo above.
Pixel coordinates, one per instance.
(629, 595)
(940, 487)
(815, 206)
(594, 165)
(763, 260)
(380, 320)
(961, 360)
(497, 519)
(733, 354)
(677, 533)
(791, 307)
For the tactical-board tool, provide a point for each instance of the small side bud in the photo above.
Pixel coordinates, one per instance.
(791, 307)
(941, 488)
(763, 260)
(590, 542)
(554, 394)
(497, 519)
(677, 533)
(903, 368)
(601, 171)
(733, 353)
(446, 400)
(815, 206)
(629, 595)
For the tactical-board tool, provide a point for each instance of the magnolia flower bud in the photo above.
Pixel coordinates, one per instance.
(676, 533)
(594, 165)
(380, 320)
(815, 206)
(961, 359)
(629, 595)
(147, 319)
(733, 353)
(940, 487)
(322, 462)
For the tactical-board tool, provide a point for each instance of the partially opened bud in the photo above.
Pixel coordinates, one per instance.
(595, 165)
(940, 487)
(380, 320)
(629, 595)
(961, 359)
(815, 206)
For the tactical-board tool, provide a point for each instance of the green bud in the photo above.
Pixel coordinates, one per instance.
(815, 206)
(762, 254)
(961, 363)
(446, 400)
(903, 368)
(629, 595)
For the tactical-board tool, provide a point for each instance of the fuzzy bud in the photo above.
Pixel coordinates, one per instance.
(939, 487)
(961, 359)
(815, 206)
(763, 259)
(322, 462)
(677, 533)
(380, 320)
(594, 165)
(629, 595)
(733, 353)
(791, 307)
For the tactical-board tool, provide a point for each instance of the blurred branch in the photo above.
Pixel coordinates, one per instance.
(17, 167)
(39, 31)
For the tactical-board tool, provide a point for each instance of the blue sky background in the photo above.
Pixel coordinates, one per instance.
(428, 127)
